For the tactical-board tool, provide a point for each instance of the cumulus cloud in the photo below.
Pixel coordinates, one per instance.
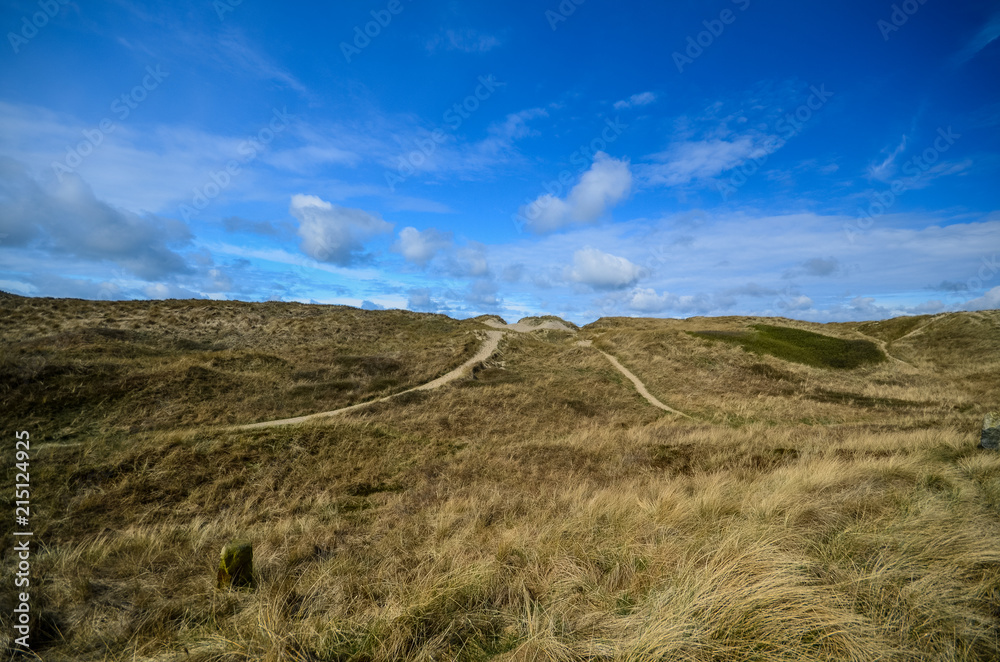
(795, 302)
(646, 300)
(603, 271)
(649, 301)
(334, 234)
(642, 99)
(470, 261)
(169, 291)
(66, 219)
(602, 187)
(419, 247)
(218, 281)
(419, 300)
(75, 288)
(483, 293)
(989, 301)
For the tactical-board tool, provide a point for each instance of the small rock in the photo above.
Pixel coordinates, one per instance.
(990, 437)
(236, 565)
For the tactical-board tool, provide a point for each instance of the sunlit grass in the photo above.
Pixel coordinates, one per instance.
(542, 510)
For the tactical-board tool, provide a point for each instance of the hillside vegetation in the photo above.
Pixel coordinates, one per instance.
(75, 366)
(800, 346)
(538, 509)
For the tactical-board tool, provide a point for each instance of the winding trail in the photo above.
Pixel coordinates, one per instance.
(486, 350)
(884, 346)
(639, 386)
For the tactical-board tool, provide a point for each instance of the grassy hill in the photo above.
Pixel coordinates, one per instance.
(538, 509)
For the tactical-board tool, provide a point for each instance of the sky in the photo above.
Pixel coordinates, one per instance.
(583, 158)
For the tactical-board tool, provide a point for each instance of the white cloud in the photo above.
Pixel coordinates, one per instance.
(646, 300)
(986, 36)
(66, 218)
(989, 301)
(885, 170)
(798, 303)
(686, 161)
(232, 52)
(602, 187)
(218, 281)
(483, 293)
(642, 99)
(169, 291)
(470, 260)
(515, 125)
(942, 169)
(419, 300)
(331, 233)
(308, 158)
(603, 270)
(419, 247)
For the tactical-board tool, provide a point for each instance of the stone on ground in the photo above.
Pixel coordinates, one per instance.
(236, 565)
(990, 437)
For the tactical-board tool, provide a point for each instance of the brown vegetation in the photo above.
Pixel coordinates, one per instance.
(538, 510)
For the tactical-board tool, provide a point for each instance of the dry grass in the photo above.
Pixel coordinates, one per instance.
(543, 511)
(78, 367)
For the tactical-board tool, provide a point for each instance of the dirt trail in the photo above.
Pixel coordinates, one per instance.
(485, 351)
(639, 386)
(884, 346)
(528, 327)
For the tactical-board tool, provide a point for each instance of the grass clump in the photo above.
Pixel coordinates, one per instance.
(536, 510)
(800, 346)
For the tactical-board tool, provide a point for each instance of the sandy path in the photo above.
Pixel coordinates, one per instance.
(639, 386)
(485, 351)
(527, 327)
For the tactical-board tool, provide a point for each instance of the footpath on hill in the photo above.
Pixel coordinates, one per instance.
(486, 350)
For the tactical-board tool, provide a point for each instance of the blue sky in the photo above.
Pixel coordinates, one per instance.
(821, 161)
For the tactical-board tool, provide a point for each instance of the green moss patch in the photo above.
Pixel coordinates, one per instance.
(798, 346)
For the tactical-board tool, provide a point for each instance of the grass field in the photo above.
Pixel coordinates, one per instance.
(536, 510)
